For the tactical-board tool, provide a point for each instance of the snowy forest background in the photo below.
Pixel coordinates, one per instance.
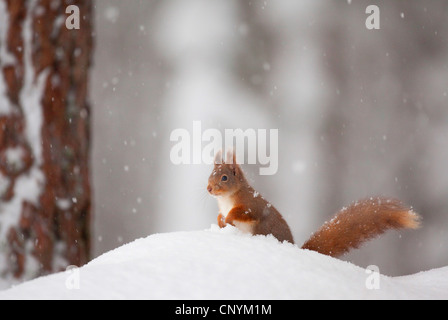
(360, 113)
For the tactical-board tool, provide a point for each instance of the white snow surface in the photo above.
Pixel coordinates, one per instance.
(223, 264)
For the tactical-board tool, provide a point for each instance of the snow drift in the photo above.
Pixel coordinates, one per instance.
(224, 264)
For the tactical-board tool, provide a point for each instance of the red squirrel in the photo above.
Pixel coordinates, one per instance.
(243, 207)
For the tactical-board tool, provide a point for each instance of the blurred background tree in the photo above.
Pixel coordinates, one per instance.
(45, 206)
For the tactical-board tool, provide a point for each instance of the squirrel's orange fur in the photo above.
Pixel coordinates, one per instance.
(241, 206)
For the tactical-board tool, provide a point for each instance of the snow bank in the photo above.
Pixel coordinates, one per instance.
(223, 264)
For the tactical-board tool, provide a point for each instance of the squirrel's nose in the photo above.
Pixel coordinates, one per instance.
(209, 188)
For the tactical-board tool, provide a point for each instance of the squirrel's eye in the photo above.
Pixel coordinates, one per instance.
(224, 178)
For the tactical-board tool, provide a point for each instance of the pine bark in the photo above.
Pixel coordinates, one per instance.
(49, 230)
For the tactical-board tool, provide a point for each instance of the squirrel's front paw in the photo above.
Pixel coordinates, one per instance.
(221, 221)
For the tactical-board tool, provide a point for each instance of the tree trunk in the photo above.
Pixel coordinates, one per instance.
(45, 196)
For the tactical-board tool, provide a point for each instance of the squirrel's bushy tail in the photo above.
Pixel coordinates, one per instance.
(361, 221)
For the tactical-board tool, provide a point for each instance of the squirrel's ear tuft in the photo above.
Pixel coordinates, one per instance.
(230, 156)
(218, 157)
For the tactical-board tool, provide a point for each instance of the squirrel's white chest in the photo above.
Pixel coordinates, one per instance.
(225, 204)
